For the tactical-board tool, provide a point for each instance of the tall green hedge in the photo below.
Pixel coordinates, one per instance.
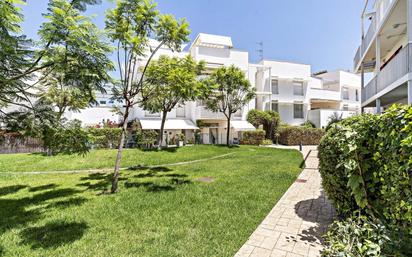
(105, 137)
(366, 164)
(255, 137)
(300, 135)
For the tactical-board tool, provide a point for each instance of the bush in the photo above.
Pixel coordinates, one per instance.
(300, 135)
(146, 138)
(266, 142)
(68, 138)
(366, 163)
(356, 236)
(308, 124)
(105, 137)
(255, 137)
(270, 120)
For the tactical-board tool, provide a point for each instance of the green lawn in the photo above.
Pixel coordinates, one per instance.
(164, 211)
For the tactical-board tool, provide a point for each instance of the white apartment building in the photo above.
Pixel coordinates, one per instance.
(386, 53)
(288, 88)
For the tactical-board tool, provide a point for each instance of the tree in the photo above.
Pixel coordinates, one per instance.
(69, 63)
(171, 81)
(270, 120)
(230, 91)
(71, 51)
(130, 25)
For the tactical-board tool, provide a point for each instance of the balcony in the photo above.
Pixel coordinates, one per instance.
(203, 113)
(321, 117)
(394, 70)
(385, 14)
(324, 94)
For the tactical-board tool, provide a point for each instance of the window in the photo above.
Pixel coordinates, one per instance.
(345, 93)
(297, 88)
(345, 107)
(298, 110)
(275, 106)
(357, 95)
(275, 86)
(102, 102)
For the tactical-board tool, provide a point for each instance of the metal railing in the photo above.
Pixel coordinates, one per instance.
(365, 43)
(357, 58)
(395, 69)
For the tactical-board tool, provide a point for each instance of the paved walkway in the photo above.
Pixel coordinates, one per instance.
(293, 228)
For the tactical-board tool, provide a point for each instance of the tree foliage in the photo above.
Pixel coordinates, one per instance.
(130, 25)
(67, 65)
(171, 81)
(230, 91)
(270, 120)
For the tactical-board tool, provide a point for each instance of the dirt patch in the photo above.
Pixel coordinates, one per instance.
(206, 179)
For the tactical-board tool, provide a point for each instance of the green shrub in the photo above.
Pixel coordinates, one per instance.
(255, 137)
(66, 138)
(300, 135)
(266, 142)
(356, 236)
(366, 163)
(105, 137)
(270, 121)
(146, 138)
(308, 124)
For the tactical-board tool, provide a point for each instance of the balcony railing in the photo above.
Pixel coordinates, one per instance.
(203, 113)
(395, 69)
(357, 58)
(325, 94)
(365, 43)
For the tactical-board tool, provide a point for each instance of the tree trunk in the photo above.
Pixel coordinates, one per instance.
(162, 126)
(116, 173)
(228, 131)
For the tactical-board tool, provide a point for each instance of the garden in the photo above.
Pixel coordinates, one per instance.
(206, 206)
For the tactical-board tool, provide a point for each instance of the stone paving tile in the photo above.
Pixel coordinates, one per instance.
(294, 227)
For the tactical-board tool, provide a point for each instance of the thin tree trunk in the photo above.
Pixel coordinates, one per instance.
(228, 131)
(162, 126)
(116, 173)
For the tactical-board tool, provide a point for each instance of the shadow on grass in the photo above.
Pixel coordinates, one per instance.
(98, 181)
(11, 189)
(19, 212)
(171, 185)
(43, 187)
(53, 234)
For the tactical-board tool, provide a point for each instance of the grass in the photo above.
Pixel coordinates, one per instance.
(164, 211)
(100, 159)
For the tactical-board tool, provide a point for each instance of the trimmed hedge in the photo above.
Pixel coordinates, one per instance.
(105, 137)
(300, 135)
(255, 137)
(366, 164)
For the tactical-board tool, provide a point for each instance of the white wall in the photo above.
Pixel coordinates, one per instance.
(93, 115)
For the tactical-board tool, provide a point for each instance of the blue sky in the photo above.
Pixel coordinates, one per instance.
(323, 33)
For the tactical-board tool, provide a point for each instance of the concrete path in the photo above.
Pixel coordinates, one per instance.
(294, 227)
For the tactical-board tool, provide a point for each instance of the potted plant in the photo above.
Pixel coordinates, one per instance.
(181, 140)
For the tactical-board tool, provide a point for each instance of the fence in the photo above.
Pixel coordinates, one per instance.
(11, 143)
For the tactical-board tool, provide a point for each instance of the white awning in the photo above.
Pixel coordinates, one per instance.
(241, 125)
(169, 124)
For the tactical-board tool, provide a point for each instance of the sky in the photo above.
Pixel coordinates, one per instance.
(322, 33)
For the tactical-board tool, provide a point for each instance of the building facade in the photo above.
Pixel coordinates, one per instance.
(288, 88)
(385, 53)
